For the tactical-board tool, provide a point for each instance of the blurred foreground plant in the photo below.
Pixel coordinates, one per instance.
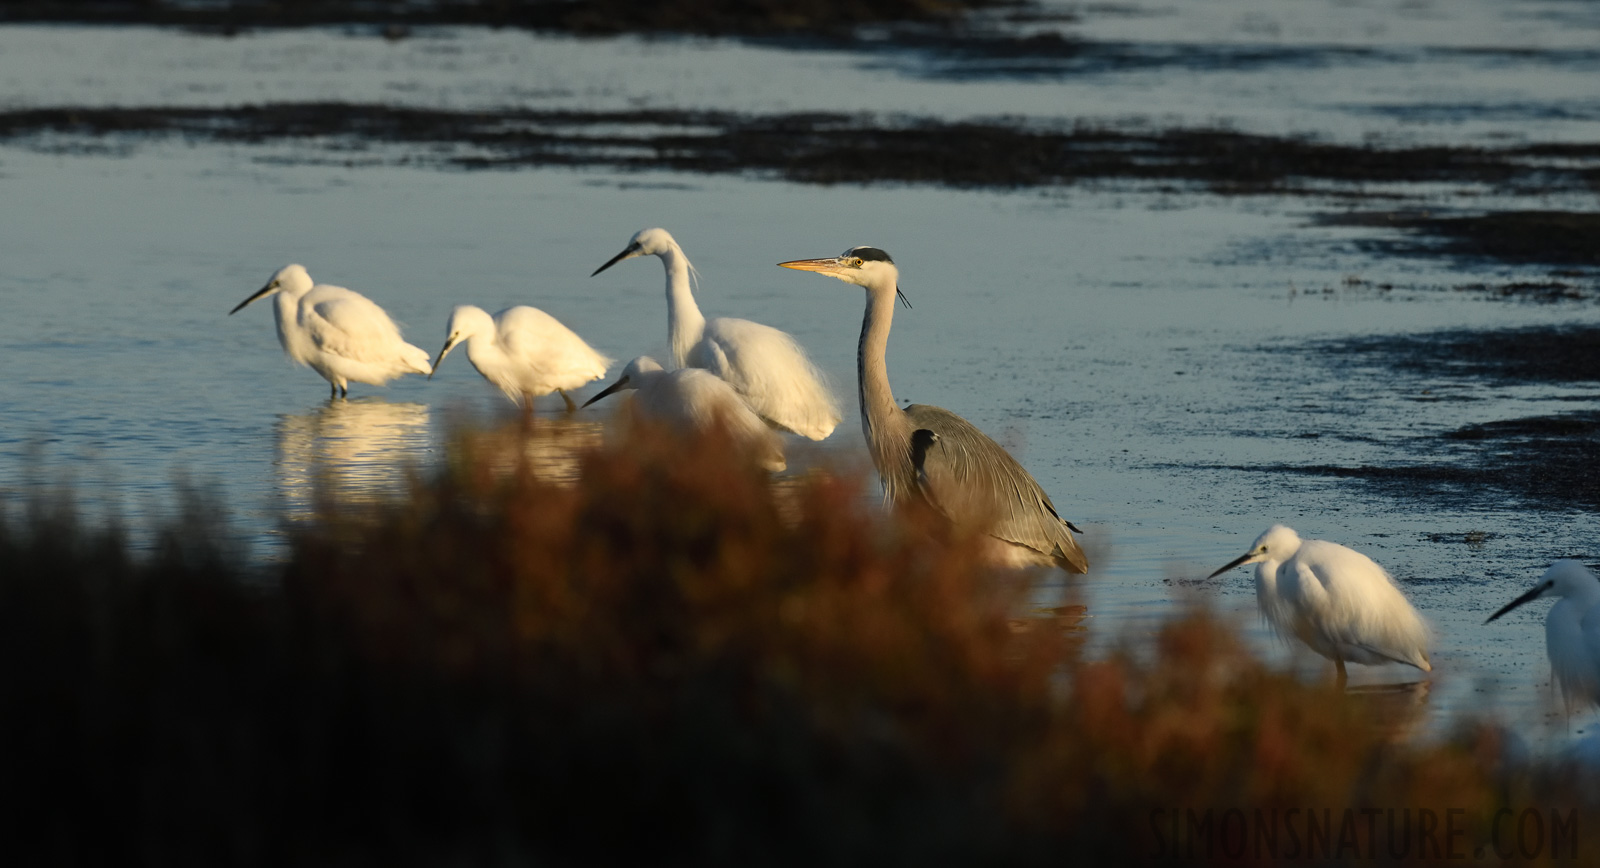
(669, 660)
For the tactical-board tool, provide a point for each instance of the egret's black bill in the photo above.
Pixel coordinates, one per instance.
(615, 259)
(439, 359)
(614, 387)
(260, 292)
(1231, 564)
(1528, 597)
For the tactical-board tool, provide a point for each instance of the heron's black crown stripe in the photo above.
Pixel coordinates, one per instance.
(871, 253)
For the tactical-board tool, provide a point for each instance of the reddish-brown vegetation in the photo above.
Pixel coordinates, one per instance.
(669, 661)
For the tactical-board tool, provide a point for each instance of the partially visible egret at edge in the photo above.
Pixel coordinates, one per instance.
(766, 366)
(524, 351)
(339, 333)
(1571, 629)
(971, 478)
(693, 400)
(1335, 600)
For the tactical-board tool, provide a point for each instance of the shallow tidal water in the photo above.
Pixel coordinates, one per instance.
(1167, 361)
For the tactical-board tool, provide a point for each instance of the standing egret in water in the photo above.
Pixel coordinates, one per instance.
(693, 400)
(337, 332)
(766, 366)
(1571, 630)
(524, 351)
(969, 477)
(1336, 600)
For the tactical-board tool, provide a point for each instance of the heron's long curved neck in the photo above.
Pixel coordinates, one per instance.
(887, 429)
(685, 324)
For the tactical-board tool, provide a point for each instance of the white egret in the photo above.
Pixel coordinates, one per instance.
(766, 366)
(1571, 629)
(693, 400)
(971, 478)
(339, 333)
(1334, 599)
(524, 351)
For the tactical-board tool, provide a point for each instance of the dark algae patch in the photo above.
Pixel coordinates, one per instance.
(1545, 354)
(825, 148)
(1545, 461)
(1542, 461)
(1563, 238)
(751, 17)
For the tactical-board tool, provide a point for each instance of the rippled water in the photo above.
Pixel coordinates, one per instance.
(1155, 356)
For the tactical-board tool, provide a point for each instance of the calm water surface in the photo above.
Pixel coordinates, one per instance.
(1142, 350)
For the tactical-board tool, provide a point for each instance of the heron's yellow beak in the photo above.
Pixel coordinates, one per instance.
(826, 266)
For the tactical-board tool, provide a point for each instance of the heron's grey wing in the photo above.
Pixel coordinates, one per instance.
(975, 480)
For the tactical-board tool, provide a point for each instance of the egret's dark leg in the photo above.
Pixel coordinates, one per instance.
(333, 390)
(571, 407)
(527, 411)
(1339, 663)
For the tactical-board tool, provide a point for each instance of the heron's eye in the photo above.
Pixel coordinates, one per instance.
(855, 263)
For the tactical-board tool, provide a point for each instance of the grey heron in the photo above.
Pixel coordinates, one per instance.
(972, 479)
(524, 351)
(693, 400)
(1571, 629)
(1334, 599)
(766, 366)
(339, 333)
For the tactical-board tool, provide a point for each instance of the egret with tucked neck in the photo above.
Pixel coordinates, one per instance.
(767, 367)
(965, 475)
(339, 333)
(1336, 600)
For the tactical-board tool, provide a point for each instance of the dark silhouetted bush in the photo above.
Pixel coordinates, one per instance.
(671, 661)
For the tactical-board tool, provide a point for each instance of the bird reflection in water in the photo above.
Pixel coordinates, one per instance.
(347, 451)
(1397, 709)
(552, 451)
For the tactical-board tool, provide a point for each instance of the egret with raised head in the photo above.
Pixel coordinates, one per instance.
(1335, 600)
(969, 476)
(524, 351)
(1571, 629)
(764, 365)
(693, 400)
(339, 333)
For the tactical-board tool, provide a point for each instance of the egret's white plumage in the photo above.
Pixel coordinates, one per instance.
(339, 333)
(693, 400)
(524, 351)
(1571, 630)
(1334, 599)
(764, 365)
(956, 468)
